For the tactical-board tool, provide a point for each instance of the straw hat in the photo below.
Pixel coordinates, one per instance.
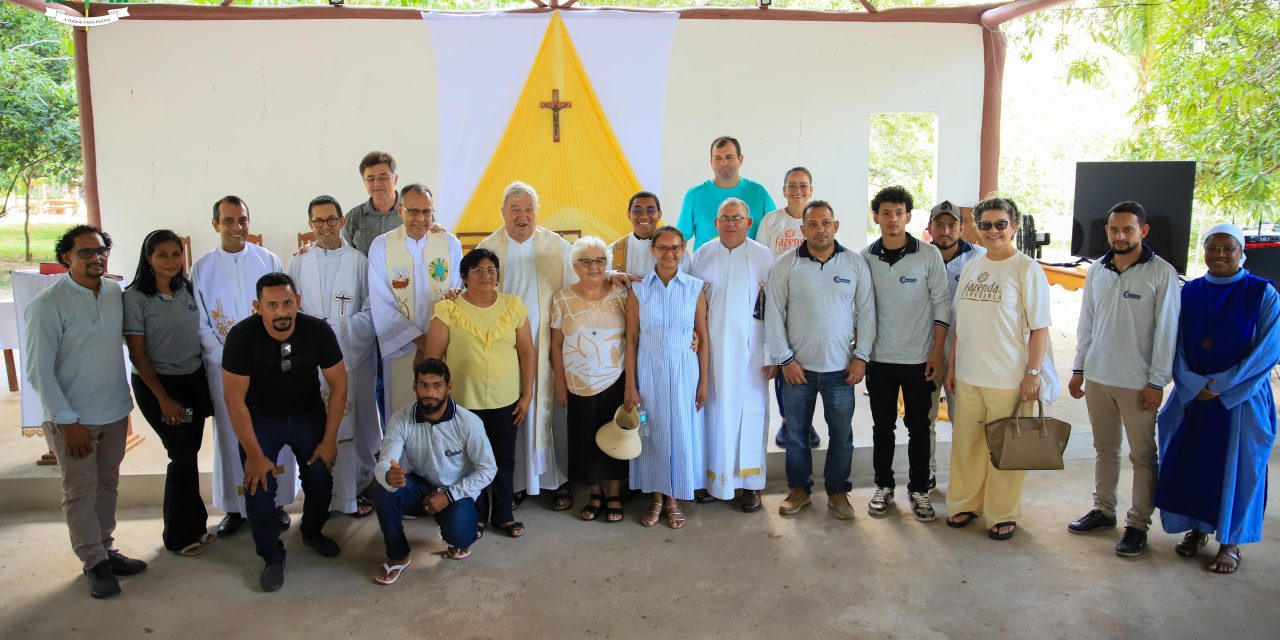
(620, 439)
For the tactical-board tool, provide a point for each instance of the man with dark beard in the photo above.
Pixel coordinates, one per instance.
(1125, 343)
(435, 460)
(272, 390)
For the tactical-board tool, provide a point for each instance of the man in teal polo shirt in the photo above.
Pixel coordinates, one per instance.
(698, 213)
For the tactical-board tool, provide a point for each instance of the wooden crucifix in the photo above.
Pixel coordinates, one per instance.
(555, 106)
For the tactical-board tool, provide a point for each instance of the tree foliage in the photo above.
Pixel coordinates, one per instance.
(39, 120)
(1208, 88)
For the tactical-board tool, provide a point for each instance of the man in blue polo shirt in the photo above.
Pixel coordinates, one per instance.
(702, 203)
(818, 295)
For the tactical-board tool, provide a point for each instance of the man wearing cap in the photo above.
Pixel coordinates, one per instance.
(1124, 351)
(702, 202)
(910, 282)
(818, 294)
(435, 460)
(1219, 423)
(946, 226)
(737, 269)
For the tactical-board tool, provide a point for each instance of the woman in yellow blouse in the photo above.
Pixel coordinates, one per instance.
(484, 337)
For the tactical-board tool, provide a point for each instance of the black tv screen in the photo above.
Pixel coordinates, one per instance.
(1165, 190)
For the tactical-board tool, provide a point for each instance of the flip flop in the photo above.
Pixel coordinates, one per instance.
(969, 517)
(991, 533)
(513, 529)
(391, 573)
(196, 548)
(364, 509)
(457, 553)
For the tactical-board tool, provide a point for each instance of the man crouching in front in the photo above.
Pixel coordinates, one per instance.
(435, 460)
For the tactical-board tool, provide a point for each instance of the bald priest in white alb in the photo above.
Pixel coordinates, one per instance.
(333, 279)
(736, 269)
(534, 264)
(410, 268)
(225, 282)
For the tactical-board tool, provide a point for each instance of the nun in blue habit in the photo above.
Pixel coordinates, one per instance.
(1218, 426)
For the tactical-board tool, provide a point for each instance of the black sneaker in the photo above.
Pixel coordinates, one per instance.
(1132, 542)
(1092, 521)
(324, 545)
(102, 583)
(122, 565)
(284, 518)
(272, 577)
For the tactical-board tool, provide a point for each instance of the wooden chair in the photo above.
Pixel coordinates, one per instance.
(186, 255)
(306, 237)
(254, 238)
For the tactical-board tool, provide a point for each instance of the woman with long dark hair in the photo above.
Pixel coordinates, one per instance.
(161, 328)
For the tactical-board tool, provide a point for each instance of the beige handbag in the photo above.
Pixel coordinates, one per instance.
(1027, 443)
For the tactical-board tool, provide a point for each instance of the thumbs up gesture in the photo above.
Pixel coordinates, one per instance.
(395, 475)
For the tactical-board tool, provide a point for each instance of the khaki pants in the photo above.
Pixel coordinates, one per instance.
(89, 488)
(975, 485)
(1109, 407)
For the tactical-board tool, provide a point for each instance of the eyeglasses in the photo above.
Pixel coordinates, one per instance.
(587, 263)
(731, 219)
(662, 248)
(89, 252)
(382, 177)
(325, 222)
(415, 213)
(486, 271)
(1000, 225)
(286, 350)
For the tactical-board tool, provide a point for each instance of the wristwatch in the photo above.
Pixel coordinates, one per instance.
(1032, 372)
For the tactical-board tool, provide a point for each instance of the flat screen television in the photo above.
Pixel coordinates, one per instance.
(1165, 190)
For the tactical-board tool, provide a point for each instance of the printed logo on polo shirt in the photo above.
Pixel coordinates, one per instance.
(1132, 296)
(978, 290)
(907, 280)
(839, 280)
(450, 454)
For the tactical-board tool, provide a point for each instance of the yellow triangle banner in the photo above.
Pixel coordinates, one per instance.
(583, 180)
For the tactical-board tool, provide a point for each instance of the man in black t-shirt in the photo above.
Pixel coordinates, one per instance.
(272, 392)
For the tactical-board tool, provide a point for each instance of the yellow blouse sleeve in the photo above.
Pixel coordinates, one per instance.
(445, 310)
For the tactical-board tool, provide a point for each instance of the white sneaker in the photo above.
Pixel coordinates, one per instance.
(879, 505)
(922, 507)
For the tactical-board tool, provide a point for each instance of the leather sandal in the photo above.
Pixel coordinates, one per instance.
(513, 529)
(675, 517)
(613, 514)
(592, 511)
(651, 516)
(1191, 544)
(1225, 569)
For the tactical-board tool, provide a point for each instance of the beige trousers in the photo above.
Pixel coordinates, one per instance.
(89, 488)
(976, 486)
(1109, 408)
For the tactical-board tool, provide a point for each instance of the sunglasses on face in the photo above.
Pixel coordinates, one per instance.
(1000, 225)
(87, 253)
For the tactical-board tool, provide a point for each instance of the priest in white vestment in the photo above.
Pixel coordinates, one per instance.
(534, 264)
(631, 254)
(410, 269)
(225, 281)
(736, 269)
(333, 279)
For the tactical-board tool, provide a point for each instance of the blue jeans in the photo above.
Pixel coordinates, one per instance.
(457, 521)
(301, 433)
(837, 405)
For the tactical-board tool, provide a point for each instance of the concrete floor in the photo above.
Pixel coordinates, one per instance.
(726, 574)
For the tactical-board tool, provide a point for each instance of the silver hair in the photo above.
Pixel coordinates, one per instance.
(733, 201)
(587, 242)
(518, 188)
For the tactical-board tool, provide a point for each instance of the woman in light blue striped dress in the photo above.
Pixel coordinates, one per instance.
(668, 379)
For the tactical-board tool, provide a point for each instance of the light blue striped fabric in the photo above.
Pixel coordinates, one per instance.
(671, 460)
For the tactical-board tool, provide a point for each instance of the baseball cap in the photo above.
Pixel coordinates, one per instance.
(945, 207)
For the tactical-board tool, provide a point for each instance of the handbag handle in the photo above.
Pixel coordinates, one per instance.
(1017, 424)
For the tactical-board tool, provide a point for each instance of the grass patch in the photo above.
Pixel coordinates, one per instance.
(43, 236)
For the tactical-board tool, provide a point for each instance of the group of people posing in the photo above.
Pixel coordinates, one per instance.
(384, 372)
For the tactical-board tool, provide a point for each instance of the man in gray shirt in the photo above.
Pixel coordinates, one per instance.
(378, 214)
(911, 296)
(74, 358)
(819, 294)
(435, 459)
(1124, 351)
